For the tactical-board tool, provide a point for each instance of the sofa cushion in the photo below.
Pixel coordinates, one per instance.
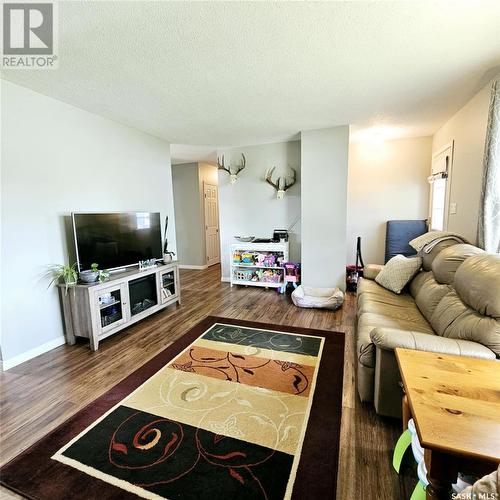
(417, 323)
(454, 319)
(405, 310)
(477, 282)
(380, 307)
(448, 261)
(367, 321)
(370, 290)
(398, 272)
(370, 286)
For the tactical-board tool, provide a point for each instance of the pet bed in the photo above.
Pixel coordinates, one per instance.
(322, 298)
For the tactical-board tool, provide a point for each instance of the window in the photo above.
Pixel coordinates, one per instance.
(438, 198)
(143, 220)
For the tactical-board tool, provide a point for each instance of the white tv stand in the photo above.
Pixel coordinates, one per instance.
(98, 310)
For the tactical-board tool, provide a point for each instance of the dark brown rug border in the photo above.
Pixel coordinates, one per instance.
(34, 475)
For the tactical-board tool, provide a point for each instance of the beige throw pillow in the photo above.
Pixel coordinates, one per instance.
(398, 272)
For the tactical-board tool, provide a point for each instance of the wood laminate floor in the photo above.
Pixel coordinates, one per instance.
(40, 394)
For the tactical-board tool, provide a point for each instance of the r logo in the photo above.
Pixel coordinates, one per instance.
(28, 28)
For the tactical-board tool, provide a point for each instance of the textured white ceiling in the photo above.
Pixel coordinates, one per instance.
(235, 73)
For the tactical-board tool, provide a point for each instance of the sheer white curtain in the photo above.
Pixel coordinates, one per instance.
(488, 234)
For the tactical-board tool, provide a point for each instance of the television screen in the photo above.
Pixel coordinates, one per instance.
(115, 240)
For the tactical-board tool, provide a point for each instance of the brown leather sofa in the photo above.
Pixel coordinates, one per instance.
(451, 306)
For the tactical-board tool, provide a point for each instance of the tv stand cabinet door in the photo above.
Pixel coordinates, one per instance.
(169, 285)
(109, 312)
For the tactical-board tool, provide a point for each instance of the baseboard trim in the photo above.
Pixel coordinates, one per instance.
(188, 266)
(225, 280)
(7, 364)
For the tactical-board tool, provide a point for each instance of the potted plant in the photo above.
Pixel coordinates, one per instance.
(63, 271)
(90, 275)
(167, 255)
(103, 274)
(93, 274)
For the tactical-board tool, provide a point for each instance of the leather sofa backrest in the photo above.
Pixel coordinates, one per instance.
(428, 258)
(460, 297)
(419, 282)
(477, 282)
(448, 261)
(427, 293)
(454, 319)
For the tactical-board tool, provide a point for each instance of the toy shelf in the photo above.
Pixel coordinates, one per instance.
(257, 267)
(267, 284)
(241, 272)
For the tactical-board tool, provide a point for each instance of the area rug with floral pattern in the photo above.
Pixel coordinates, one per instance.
(232, 410)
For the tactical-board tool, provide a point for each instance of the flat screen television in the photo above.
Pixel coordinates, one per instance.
(116, 240)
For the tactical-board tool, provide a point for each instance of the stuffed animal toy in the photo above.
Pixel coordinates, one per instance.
(270, 260)
(247, 258)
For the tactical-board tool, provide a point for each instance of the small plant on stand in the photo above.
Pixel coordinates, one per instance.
(167, 255)
(65, 272)
(102, 274)
(94, 274)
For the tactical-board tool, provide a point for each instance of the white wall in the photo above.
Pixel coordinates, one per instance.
(324, 158)
(386, 181)
(468, 129)
(57, 159)
(250, 207)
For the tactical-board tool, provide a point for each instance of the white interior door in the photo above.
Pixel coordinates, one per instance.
(211, 224)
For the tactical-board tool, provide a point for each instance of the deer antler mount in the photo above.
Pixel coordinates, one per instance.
(232, 171)
(282, 183)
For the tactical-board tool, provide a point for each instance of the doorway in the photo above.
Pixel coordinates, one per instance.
(211, 210)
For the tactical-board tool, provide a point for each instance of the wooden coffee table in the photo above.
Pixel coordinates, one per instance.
(455, 404)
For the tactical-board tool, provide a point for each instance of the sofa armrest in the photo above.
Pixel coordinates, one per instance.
(390, 338)
(370, 271)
